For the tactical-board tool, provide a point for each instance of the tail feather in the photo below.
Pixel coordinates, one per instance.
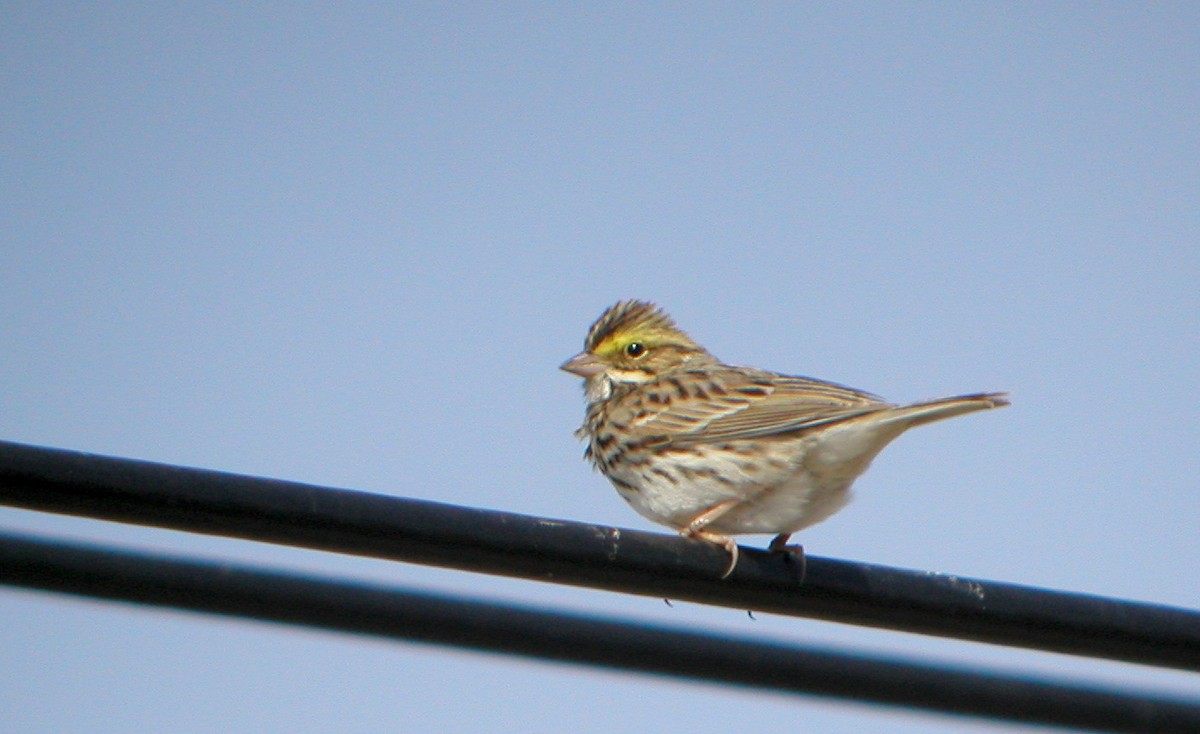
(928, 411)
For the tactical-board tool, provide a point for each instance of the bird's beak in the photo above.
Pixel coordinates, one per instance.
(583, 364)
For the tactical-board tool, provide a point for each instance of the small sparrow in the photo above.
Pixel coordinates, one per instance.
(713, 450)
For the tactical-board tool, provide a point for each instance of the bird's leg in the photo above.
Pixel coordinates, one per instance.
(779, 545)
(695, 529)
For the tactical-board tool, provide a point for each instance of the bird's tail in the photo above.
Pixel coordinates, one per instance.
(929, 411)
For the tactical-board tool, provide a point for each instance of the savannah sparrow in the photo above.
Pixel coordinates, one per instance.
(714, 450)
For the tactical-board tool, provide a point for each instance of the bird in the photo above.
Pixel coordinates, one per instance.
(714, 450)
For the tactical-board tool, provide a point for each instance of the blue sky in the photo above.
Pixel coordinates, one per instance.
(349, 245)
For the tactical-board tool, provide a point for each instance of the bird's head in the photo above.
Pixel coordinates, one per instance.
(633, 342)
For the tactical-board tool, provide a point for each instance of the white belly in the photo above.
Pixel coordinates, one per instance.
(801, 484)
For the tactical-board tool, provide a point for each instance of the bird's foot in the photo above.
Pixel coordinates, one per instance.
(729, 544)
(794, 553)
(696, 529)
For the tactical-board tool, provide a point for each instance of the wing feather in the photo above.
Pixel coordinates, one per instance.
(719, 404)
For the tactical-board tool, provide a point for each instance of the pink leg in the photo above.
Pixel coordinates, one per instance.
(695, 529)
(779, 545)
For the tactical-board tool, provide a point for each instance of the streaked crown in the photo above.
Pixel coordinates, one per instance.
(632, 318)
(639, 333)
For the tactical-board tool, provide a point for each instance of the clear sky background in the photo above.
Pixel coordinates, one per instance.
(350, 245)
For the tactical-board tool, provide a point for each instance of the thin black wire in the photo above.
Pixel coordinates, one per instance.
(655, 565)
(387, 612)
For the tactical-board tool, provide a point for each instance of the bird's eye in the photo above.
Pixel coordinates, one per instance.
(635, 349)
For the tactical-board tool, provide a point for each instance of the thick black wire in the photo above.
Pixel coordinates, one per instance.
(657, 565)
(368, 609)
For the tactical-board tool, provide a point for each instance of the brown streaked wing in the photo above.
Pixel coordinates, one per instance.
(753, 404)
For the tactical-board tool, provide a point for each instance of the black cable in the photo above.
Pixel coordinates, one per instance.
(374, 610)
(657, 565)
